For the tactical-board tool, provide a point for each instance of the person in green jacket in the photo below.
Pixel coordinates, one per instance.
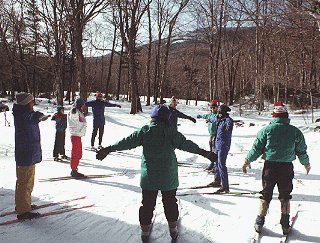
(279, 143)
(159, 167)
(212, 129)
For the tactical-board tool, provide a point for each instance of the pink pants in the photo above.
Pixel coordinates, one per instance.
(76, 152)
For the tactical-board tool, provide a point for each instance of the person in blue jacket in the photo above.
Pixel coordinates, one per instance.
(27, 152)
(98, 106)
(222, 142)
(61, 125)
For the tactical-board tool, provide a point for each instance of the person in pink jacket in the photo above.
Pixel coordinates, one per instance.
(77, 128)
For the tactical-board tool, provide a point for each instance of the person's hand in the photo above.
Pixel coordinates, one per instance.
(102, 153)
(209, 155)
(199, 116)
(246, 166)
(119, 106)
(44, 117)
(307, 167)
(192, 119)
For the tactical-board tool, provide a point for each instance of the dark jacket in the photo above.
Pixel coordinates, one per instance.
(223, 134)
(159, 167)
(61, 121)
(27, 136)
(175, 114)
(98, 111)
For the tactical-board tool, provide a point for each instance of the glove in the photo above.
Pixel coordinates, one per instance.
(209, 155)
(102, 153)
(246, 166)
(199, 116)
(207, 120)
(119, 106)
(44, 117)
(192, 119)
(307, 167)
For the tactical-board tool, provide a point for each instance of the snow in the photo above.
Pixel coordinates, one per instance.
(114, 218)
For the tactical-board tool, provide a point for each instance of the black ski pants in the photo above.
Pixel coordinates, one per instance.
(149, 199)
(280, 174)
(59, 143)
(94, 134)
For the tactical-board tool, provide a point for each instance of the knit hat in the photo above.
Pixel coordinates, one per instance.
(24, 98)
(223, 109)
(279, 110)
(79, 102)
(161, 113)
(213, 104)
(173, 101)
(98, 95)
(59, 108)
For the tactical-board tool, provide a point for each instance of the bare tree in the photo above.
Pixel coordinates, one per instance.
(130, 13)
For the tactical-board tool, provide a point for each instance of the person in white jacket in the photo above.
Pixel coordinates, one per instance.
(77, 128)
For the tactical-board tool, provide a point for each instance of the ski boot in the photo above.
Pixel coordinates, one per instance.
(27, 215)
(76, 174)
(173, 229)
(284, 221)
(145, 233)
(215, 183)
(259, 223)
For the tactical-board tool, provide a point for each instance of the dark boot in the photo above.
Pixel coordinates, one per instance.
(28, 215)
(76, 174)
(259, 223)
(145, 232)
(173, 229)
(215, 183)
(263, 209)
(284, 221)
(285, 212)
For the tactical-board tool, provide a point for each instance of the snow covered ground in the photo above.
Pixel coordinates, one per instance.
(114, 218)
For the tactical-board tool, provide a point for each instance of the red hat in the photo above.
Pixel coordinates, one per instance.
(213, 104)
(98, 94)
(279, 110)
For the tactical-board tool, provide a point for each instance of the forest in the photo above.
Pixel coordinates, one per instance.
(193, 49)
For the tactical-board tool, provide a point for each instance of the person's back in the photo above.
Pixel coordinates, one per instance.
(159, 167)
(279, 142)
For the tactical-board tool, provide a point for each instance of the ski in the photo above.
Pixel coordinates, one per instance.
(235, 193)
(59, 211)
(45, 205)
(284, 238)
(62, 178)
(92, 149)
(204, 186)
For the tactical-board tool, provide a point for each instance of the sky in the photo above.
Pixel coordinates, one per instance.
(114, 217)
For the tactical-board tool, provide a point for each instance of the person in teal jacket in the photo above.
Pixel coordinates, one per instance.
(212, 129)
(159, 167)
(279, 143)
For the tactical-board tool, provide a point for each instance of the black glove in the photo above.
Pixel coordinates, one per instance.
(119, 106)
(209, 155)
(192, 119)
(199, 116)
(102, 153)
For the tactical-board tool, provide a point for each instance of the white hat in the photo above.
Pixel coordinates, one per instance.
(24, 98)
